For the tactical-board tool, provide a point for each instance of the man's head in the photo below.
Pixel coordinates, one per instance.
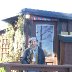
(33, 42)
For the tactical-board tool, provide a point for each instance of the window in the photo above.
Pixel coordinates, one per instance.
(45, 35)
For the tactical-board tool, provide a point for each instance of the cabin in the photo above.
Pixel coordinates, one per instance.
(53, 31)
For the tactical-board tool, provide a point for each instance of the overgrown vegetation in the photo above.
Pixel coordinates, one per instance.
(15, 36)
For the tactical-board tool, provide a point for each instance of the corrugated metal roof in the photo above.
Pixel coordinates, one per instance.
(47, 13)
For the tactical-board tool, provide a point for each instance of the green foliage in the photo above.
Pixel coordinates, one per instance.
(20, 23)
(15, 50)
(9, 31)
(16, 40)
(2, 69)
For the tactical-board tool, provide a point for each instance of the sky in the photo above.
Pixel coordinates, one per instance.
(9, 8)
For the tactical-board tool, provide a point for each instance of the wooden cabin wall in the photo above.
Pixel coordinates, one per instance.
(64, 26)
(62, 52)
(66, 47)
(56, 45)
(66, 53)
(29, 30)
(70, 26)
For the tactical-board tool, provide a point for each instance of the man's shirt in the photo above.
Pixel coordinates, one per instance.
(35, 55)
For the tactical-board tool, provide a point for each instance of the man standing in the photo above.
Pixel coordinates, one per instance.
(34, 54)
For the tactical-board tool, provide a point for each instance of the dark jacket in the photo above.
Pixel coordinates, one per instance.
(27, 57)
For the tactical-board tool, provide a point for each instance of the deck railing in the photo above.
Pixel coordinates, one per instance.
(38, 67)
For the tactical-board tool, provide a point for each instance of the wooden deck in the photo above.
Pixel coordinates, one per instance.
(38, 67)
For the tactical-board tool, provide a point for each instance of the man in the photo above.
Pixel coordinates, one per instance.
(34, 54)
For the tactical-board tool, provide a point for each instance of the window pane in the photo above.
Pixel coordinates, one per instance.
(45, 35)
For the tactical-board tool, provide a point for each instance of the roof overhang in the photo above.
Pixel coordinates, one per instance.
(48, 14)
(11, 20)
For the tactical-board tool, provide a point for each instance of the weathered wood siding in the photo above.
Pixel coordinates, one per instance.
(68, 53)
(59, 48)
(65, 53)
(64, 26)
(62, 52)
(70, 26)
